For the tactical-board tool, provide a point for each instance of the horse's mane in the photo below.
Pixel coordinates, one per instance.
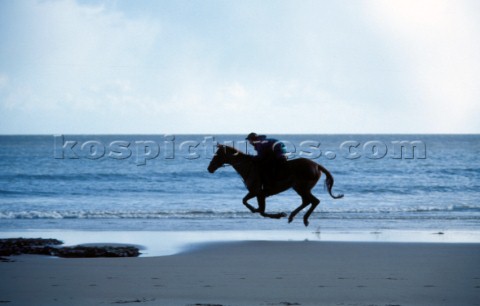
(232, 151)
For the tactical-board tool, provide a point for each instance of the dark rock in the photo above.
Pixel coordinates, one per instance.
(50, 247)
(98, 251)
(17, 246)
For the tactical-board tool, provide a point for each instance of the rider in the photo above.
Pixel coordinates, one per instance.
(270, 157)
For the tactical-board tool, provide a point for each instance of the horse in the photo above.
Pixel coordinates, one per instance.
(301, 174)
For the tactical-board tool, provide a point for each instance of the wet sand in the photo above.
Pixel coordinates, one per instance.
(255, 273)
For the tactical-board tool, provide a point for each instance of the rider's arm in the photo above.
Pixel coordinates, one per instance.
(262, 150)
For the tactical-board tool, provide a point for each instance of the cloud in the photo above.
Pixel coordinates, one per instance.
(94, 68)
(234, 67)
(69, 58)
(439, 44)
(3, 81)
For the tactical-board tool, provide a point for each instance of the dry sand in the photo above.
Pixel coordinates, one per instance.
(255, 273)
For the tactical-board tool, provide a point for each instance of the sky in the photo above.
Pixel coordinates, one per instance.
(217, 67)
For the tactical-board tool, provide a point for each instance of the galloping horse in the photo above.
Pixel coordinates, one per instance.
(302, 175)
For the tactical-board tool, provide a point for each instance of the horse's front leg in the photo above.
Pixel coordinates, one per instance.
(261, 208)
(249, 196)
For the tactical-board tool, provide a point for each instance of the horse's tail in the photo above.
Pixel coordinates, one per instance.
(329, 182)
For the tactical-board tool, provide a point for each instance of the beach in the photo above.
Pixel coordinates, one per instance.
(255, 273)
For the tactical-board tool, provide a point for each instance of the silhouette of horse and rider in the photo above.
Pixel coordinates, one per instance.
(270, 172)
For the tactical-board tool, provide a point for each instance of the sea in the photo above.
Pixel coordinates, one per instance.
(107, 187)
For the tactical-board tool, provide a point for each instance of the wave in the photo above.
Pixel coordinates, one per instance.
(383, 188)
(108, 175)
(26, 193)
(10, 192)
(118, 214)
(390, 212)
(66, 177)
(413, 209)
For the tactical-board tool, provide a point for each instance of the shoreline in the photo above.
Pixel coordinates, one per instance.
(256, 273)
(164, 243)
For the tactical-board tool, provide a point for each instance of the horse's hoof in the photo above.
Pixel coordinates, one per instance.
(305, 222)
(283, 215)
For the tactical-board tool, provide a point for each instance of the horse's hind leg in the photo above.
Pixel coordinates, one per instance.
(304, 204)
(314, 202)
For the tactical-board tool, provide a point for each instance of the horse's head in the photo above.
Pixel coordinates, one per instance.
(218, 159)
(224, 155)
